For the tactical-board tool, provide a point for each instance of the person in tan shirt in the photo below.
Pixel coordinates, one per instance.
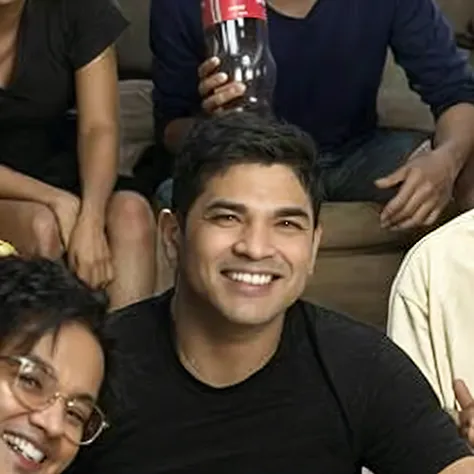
(431, 315)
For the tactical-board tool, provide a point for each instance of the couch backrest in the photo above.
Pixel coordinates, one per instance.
(458, 12)
(133, 48)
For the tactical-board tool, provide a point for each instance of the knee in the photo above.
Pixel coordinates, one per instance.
(130, 220)
(46, 235)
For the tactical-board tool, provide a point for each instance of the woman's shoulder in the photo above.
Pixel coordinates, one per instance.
(72, 10)
(88, 26)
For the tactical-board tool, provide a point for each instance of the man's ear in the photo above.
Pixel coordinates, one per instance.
(169, 236)
(318, 231)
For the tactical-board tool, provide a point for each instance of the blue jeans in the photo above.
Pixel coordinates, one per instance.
(349, 174)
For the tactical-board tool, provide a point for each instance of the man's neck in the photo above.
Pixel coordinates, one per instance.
(293, 8)
(217, 353)
(10, 16)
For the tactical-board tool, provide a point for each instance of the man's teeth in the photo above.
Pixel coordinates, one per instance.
(251, 278)
(24, 447)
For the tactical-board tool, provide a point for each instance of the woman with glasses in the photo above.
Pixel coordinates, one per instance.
(53, 360)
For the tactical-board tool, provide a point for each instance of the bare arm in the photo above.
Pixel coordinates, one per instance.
(97, 103)
(462, 466)
(18, 186)
(215, 93)
(428, 181)
(455, 133)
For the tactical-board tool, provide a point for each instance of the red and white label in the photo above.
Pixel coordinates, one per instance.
(217, 11)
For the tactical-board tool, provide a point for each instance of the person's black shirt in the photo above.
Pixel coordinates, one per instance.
(56, 38)
(337, 395)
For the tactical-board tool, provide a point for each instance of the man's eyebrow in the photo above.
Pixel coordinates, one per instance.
(286, 211)
(228, 205)
(293, 211)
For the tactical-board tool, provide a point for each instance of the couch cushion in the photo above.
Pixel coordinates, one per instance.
(133, 48)
(355, 283)
(136, 122)
(356, 225)
(398, 106)
(459, 13)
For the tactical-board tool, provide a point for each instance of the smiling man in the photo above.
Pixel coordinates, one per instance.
(233, 373)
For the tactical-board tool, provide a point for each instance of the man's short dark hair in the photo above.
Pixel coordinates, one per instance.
(39, 297)
(215, 144)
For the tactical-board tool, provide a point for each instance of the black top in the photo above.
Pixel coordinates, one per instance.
(56, 38)
(337, 395)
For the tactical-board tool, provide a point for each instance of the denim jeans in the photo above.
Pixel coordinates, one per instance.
(349, 174)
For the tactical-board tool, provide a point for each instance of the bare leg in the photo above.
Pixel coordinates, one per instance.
(131, 233)
(31, 227)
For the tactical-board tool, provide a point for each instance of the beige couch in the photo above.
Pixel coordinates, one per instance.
(358, 260)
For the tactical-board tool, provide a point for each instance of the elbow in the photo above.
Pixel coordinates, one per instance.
(99, 140)
(99, 136)
(99, 129)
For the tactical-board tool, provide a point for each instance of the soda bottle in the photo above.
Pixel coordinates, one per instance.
(236, 32)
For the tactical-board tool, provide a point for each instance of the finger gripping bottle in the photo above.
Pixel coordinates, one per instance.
(236, 32)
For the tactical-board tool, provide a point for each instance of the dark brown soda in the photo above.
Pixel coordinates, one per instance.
(242, 46)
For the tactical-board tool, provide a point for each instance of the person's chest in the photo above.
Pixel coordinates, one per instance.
(8, 47)
(40, 86)
(337, 42)
(288, 424)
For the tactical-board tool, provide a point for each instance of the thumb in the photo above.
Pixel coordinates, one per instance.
(462, 393)
(391, 180)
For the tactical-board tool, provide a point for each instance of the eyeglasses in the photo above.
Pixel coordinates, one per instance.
(35, 386)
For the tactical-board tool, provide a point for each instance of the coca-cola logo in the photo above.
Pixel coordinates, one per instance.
(217, 11)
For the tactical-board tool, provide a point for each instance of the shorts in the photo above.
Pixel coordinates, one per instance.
(63, 172)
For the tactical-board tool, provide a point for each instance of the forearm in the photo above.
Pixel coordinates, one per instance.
(176, 132)
(18, 186)
(98, 164)
(455, 133)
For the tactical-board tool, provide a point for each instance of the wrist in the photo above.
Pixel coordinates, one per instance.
(57, 197)
(92, 213)
(452, 158)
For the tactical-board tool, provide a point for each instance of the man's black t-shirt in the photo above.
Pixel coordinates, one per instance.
(56, 38)
(337, 395)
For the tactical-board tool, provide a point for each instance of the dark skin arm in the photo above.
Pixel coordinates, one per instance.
(215, 91)
(427, 181)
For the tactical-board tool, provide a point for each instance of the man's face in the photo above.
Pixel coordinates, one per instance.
(249, 244)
